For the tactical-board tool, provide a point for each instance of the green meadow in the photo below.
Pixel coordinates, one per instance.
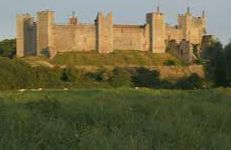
(116, 119)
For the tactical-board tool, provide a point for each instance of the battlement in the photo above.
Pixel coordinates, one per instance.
(197, 21)
(44, 12)
(42, 36)
(128, 26)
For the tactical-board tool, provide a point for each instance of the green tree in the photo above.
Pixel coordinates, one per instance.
(216, 63)
(8, 47)
(228, 63)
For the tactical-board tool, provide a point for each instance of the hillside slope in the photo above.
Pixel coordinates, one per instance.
(118, 58)
(92, 61)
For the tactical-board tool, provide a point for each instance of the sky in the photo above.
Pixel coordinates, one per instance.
(218, 12)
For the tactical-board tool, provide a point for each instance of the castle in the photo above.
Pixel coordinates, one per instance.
(45, 37)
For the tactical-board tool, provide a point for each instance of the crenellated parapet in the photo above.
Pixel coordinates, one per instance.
(193, 28)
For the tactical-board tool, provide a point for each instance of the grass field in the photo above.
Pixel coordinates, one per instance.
(116, 119)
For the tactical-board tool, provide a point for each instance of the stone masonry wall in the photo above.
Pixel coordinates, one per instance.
(173, 33)
(129, 37)
(76, 37)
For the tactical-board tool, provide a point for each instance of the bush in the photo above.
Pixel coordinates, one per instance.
(16, 74)
(191, 82)
(72, 74)
(106, 75)
(120, 78)
(46, 77)
(100, 75)
(146, 78)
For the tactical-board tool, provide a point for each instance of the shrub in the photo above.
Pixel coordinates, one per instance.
(106, 75)
(146, 78)
(47, 77)
(120, 78)
(191, 82)
(100, 75)
(14, 74)
(72, 74)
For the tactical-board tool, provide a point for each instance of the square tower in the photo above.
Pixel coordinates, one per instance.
(193, 28)
(184, 23)
(26, 35)
(104, 33)
(45, 22)
(156, 20)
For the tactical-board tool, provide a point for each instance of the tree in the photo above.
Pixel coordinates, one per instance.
(228, 63)
(216, 63)
(8, 48)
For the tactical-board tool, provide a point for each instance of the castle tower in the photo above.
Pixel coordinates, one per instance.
(21, 34)
(203, 20)
(73, 19)
(185, 22)
(45, 22)
(104, 33)
(156, 20)
(26, 35)
(193, 28)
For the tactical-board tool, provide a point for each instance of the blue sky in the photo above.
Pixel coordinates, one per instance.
(124, 11)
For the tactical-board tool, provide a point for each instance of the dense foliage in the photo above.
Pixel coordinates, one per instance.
(8, 47)
(121, 119)
(16, 74)
(218, 63)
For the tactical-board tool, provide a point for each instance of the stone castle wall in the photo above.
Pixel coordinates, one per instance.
(130, 37)
(173, 33)
(77, 38)
(45, 37)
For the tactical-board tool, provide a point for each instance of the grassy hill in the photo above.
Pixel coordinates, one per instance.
(94, 59)
(116, 119)
(117, 58)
